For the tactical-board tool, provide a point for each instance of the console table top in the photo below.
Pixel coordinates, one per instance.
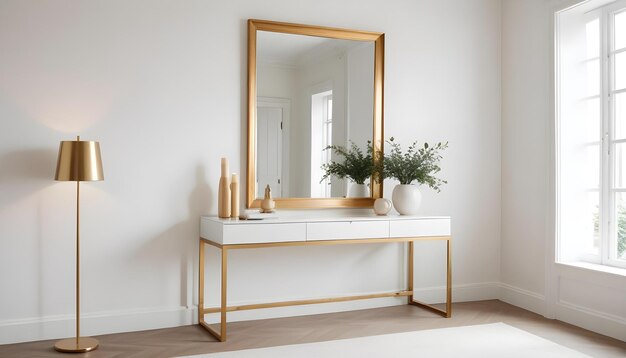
(301, 218)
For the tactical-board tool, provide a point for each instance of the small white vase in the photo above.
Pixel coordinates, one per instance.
(382, 206)
(358, 191)
(406, 199)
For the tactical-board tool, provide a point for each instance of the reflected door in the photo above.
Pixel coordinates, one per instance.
(270, 149)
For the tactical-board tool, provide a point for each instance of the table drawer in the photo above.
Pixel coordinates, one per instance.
(420, 227)
(251, 234)
(337, 230)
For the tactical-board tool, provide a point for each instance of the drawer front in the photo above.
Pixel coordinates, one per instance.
(417, 228)
(347, 230)
(211, 230)
(259, 233)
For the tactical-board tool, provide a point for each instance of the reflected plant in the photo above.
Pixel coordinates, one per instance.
(355, 166)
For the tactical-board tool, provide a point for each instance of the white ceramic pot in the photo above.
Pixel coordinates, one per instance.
(358, 191)
(406, 199)
(382, 206)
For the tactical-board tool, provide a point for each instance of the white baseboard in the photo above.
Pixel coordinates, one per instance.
(528, 300)
(596, 321)
(54, 327)
(460, 293)
(305, 310)
(600, 322)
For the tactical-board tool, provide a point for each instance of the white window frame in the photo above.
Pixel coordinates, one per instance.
(603, 142)
(608, 248)
(607, 210)
(327, 138)
(318, 106)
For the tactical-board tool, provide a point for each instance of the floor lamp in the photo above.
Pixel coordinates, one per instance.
(78, 161)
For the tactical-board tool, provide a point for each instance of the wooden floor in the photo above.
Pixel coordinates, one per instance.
(190, 340)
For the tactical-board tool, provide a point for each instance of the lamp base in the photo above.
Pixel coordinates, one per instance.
(71, 345)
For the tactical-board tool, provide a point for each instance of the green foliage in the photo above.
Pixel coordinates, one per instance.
(417, 164)
(355, 166)
(621, 229)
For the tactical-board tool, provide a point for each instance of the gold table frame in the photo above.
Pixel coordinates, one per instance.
(224, 308)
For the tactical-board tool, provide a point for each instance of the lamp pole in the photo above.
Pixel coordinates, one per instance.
(77, 263)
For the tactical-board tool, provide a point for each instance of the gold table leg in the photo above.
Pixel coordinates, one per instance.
(448, 311)
(224, 290)
(201, 282)
(410, 273)
(449, 280)
(221, 336)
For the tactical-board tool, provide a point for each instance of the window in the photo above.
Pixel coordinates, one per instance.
(321, 137)
(591, 133)
(327, 138)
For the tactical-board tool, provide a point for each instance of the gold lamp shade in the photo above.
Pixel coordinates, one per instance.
(79, 161)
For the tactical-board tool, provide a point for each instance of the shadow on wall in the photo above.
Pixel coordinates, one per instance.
(182, 239)
(32, 168)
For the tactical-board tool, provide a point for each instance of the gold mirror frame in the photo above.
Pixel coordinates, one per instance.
(376, 189)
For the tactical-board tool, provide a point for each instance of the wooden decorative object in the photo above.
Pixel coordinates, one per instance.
(224, 197)
(234, 195)
(267, 205)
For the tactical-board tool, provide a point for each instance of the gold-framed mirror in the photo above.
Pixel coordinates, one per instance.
(310, 87)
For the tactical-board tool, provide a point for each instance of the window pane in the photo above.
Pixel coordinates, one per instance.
(620, 70)
(592, 243)
(330, 108)
(620, 230)
(620, 30)
(593, 38)
(620, 115)
(620, 165)
(592, 167)
(592, 121)
(593, 78)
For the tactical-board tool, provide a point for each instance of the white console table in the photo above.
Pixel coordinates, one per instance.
(234, 234)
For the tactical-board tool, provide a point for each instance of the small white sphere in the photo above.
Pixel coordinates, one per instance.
(382, 206)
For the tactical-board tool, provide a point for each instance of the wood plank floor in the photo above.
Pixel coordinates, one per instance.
(190, 340)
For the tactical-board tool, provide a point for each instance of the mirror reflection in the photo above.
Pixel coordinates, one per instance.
(312, 92)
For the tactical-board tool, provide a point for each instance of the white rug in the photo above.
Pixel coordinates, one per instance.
(489, 340)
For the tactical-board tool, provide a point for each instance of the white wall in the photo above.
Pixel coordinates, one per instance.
(360, 85)
(275, 81)
(525, 149)
(161, 84)
(530, 279)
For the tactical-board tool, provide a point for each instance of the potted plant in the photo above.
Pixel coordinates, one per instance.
(356, 166)
(415, 165)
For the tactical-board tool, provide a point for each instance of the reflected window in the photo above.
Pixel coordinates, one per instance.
(327, 138)
(321, 138)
